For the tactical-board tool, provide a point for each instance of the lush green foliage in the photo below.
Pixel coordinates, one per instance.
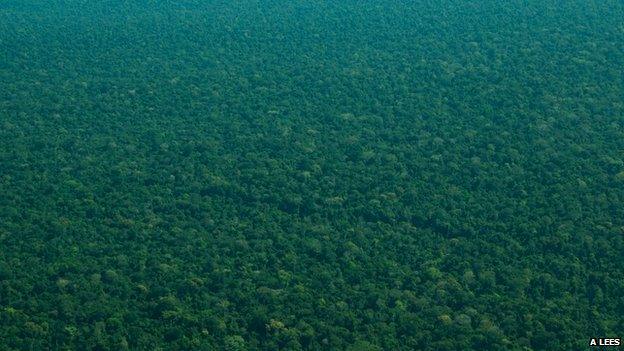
(311, 175)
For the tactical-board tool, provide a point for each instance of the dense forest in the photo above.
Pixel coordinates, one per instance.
(311, 174)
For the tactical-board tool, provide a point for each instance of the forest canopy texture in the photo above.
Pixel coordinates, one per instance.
(311, 175)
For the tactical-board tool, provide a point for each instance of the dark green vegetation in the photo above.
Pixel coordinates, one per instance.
(311, 175)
